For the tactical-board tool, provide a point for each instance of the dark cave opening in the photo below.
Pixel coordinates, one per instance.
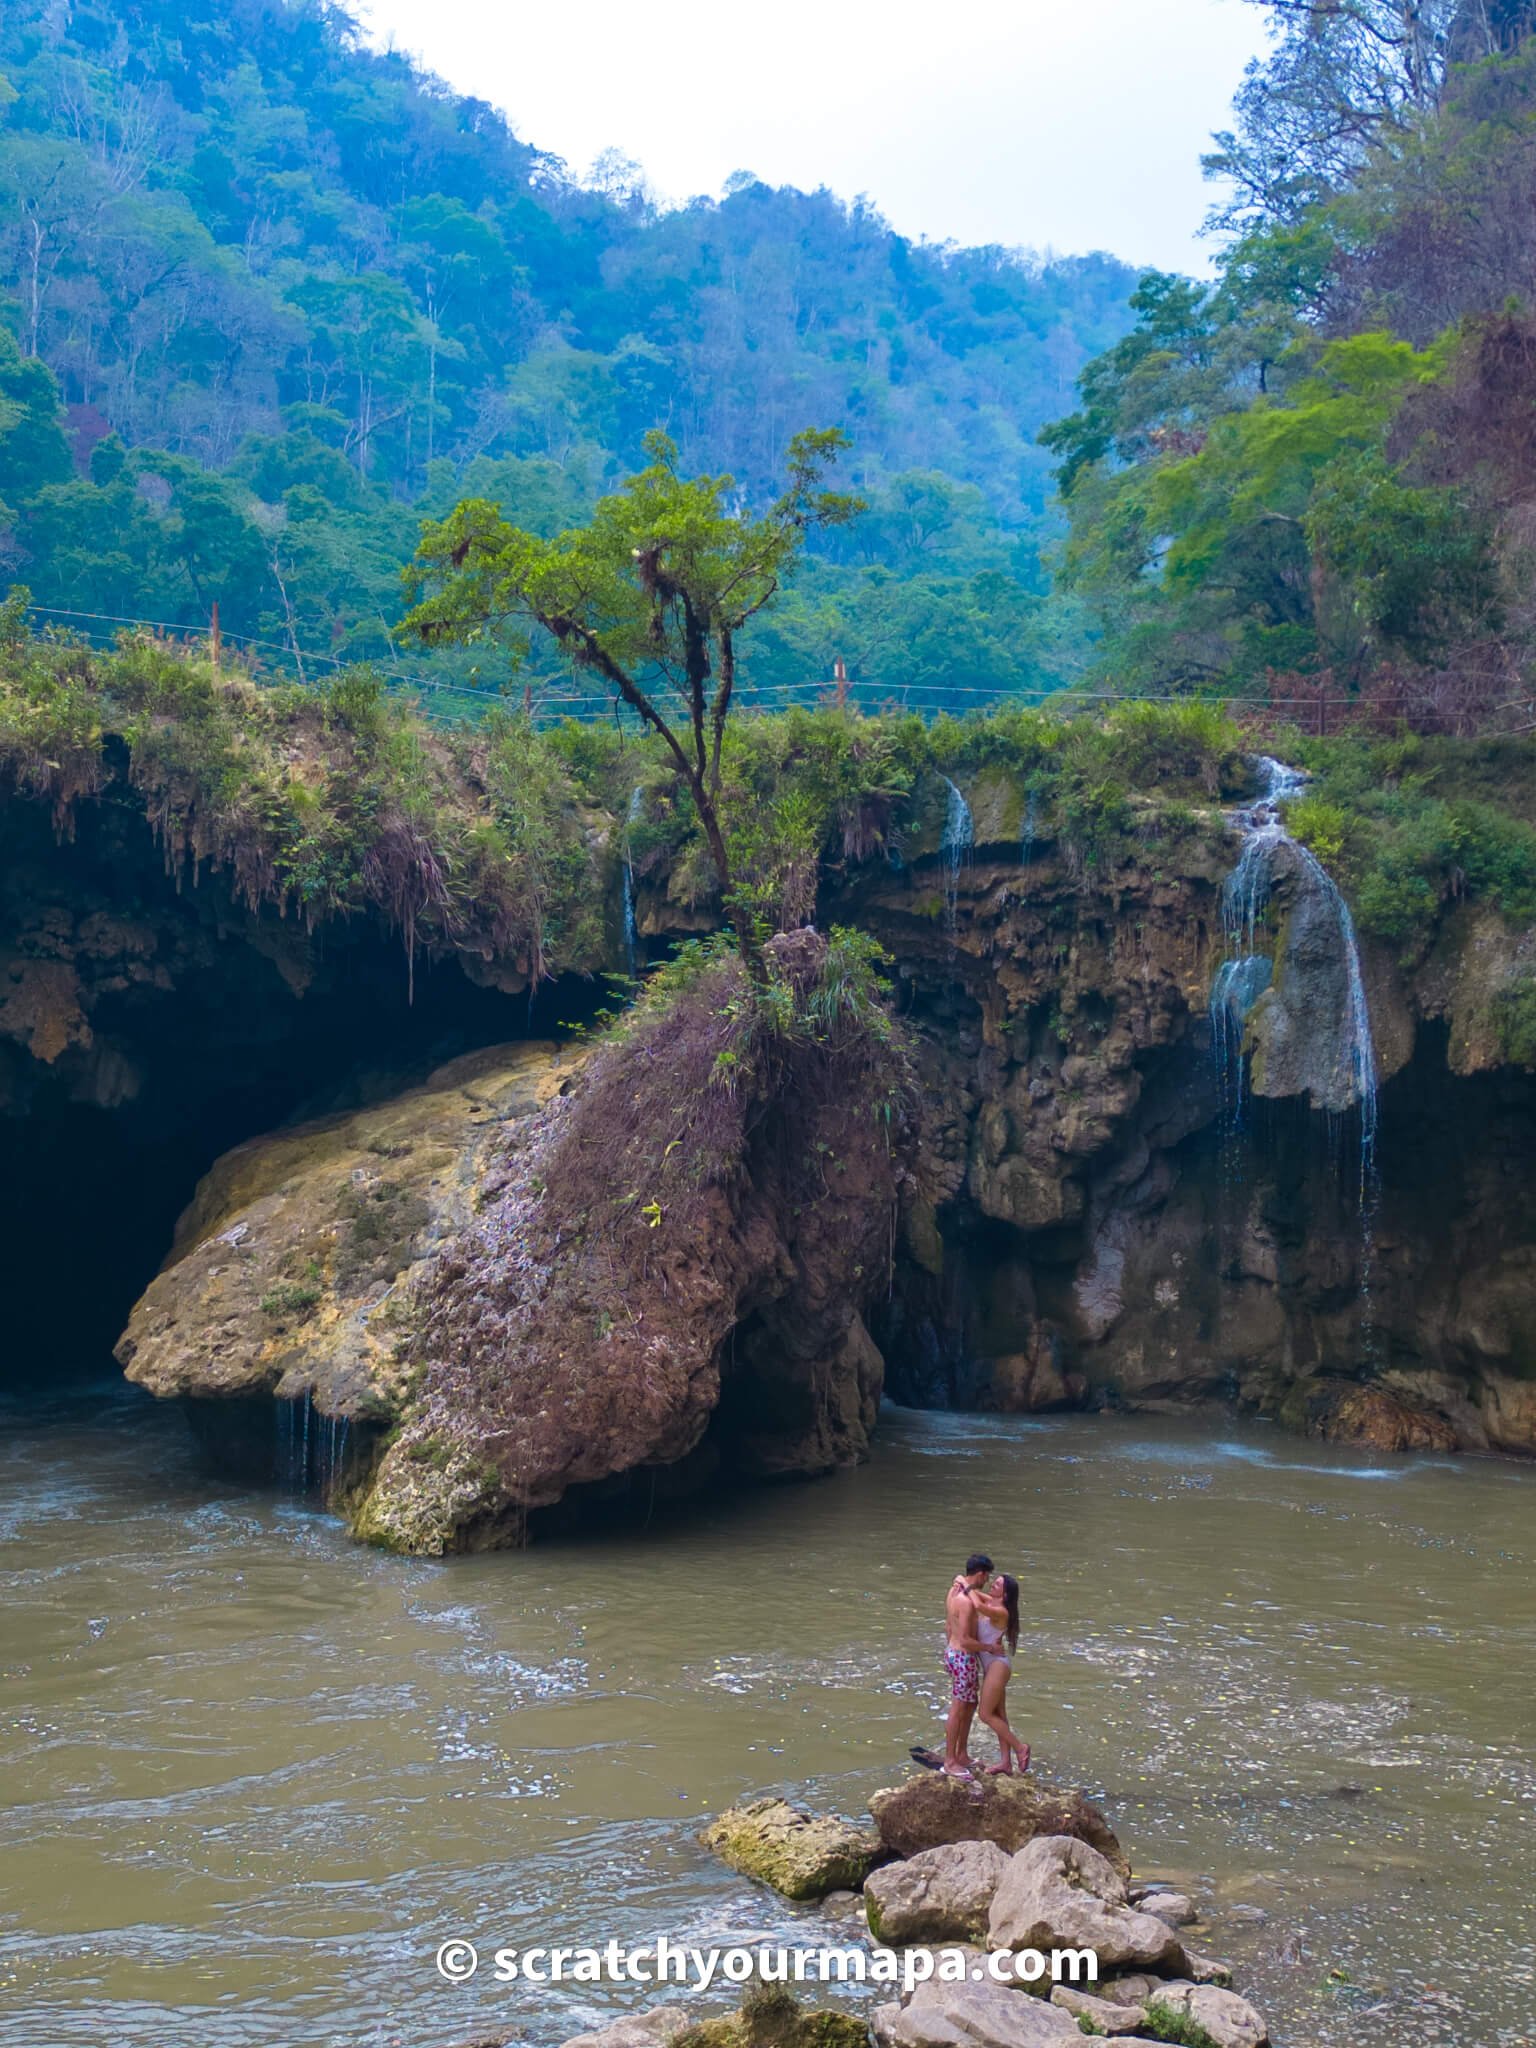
(203, 1025)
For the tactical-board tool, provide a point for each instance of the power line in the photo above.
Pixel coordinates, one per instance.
(766, 695)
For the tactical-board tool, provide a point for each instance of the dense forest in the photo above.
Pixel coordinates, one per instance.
(272, 296)
(1313, 482)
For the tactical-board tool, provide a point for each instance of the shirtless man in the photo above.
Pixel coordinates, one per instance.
(962, 1660)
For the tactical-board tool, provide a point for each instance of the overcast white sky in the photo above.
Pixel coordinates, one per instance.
(1069, 124)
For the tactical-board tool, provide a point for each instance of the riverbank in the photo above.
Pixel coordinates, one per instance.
(255, 1775)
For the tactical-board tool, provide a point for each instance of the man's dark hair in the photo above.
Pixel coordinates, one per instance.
(978, 1561)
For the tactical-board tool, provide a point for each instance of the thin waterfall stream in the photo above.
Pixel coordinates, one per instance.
(1246, 975)
(955, 846)
(631, 924)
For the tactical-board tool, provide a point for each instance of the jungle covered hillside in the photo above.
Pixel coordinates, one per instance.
(1313, 482)
(268, 298)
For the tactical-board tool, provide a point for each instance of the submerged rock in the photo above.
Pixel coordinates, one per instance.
(770, 2016)
(1172, 1907)
(801, 1854)
(930, 1810)
(659, 2028)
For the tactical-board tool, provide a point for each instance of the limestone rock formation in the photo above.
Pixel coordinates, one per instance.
(281, 1277)
(930, 1810)
(544, 1277)
(941, 2015)
(801, 1854)
(941, 1894)
(1060, 1893)
(1096, 1223)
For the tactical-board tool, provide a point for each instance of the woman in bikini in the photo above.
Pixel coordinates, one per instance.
(997, 1629)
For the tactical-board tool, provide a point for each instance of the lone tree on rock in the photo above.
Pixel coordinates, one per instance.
(650, 596)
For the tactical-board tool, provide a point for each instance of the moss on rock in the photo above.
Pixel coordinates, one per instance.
(770, 2016)
(800, 1854)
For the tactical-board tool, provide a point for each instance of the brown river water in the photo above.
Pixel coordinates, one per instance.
(251, 1775)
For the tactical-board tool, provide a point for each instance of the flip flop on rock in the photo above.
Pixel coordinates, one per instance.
(928, 1758)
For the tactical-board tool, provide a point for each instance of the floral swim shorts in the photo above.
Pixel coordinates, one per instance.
(964, 1668)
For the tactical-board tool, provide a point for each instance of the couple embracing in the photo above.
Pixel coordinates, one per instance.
(981, 1637)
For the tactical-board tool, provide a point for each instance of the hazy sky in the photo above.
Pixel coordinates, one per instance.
(1070, 124)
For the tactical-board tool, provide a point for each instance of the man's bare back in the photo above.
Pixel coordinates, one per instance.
(962, 1660)
(960, 1619)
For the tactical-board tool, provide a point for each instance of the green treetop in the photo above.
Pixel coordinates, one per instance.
(650, 596)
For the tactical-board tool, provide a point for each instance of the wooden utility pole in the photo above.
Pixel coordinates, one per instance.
(215, 643)
(840, 683)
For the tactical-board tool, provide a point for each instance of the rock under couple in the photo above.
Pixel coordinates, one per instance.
(981, 1636)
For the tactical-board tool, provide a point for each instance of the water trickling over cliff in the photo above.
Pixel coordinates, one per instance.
(955, 850)
(1327, 1016)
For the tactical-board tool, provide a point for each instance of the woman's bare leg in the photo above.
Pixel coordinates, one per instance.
(994, 1694)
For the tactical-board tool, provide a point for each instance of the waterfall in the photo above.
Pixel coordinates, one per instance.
(955, 847)
(1240, 981)
(1245, 974)
(631, 927)
(311, 1446)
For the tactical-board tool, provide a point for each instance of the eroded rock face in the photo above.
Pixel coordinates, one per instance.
(1096, 1224)
(280, 1281)
(475, 1265)
(930, 1810)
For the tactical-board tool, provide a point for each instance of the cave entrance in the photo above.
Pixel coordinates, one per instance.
(198, 1039)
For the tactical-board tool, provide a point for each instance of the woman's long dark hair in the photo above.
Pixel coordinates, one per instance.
(1011, 1602)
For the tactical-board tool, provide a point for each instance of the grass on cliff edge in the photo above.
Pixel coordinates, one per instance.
(502, 841)
(328, 801)
(1411, 825)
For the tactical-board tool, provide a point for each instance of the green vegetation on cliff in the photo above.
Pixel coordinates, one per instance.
(1309, 483)
(328, 801)
(1413, 824)
(502, 843)
(271, 297)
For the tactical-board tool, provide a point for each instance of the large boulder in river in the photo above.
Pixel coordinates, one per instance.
(1059, 1893)
(803, 1855)
(288, 1261)
(942, 1894)
(973, 2015)
(932, 1809)
(529, 1290)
